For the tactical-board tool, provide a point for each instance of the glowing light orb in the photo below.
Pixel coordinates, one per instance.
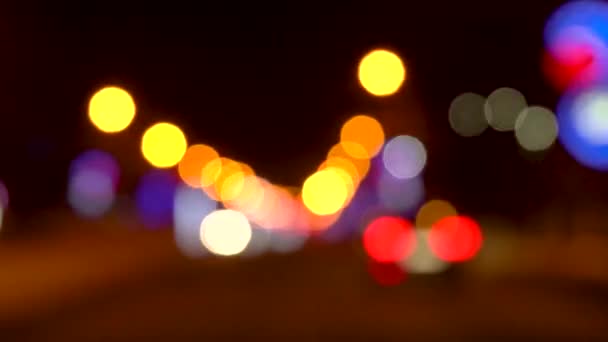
(163, 145)
(583, 125)
(576, 59)
(404, 157)
(225, 232)
(111, 109)
(324, 192)
(389, 239)
(345, 169)
(432, 211)
(466, 115)
(576, 37)
(381, 72)
(191, 165)
(502, 108)
(455, 238)
(93, 180)
(422, 260)
(362, 137)
(574, 20)
(536, 128)
(591, 123)
(91, 193)
(155, 196)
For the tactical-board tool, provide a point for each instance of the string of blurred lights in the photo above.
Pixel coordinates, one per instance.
(221, 206)
(505, 109)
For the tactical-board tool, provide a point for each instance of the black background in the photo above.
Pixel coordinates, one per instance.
(271, 84)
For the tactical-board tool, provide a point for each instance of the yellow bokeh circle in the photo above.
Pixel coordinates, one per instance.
(381, 72)
(163, 145)
(325, 192)
(111, 109)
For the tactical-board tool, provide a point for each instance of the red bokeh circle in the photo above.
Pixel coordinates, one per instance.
(389, 239)
(455, 238)
(575, 67)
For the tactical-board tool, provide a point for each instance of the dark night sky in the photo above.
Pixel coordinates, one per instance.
(272, 85)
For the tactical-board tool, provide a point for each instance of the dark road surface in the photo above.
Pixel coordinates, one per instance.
(98, 281)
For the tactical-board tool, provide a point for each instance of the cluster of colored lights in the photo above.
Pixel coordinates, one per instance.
(374, 183)
(438, 237)
(576, 62)
(505, 109)
(219, 205)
